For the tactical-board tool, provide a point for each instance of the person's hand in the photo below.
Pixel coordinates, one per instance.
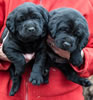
(28, 57)
(2, 55)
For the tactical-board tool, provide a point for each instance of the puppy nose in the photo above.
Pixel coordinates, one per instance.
(31, 29)
(66, 44)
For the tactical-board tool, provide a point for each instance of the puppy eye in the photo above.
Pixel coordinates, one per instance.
(20, 19)
(64, 29)
(67, 29)
(78, 34)
(34, 17)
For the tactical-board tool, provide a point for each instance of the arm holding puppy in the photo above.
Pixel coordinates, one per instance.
(4, 59)
(84, 70)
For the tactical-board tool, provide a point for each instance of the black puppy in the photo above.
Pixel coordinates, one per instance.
(26, 33)
(69, 30)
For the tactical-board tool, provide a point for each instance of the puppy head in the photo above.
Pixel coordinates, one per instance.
(68, 28)
(27, 22)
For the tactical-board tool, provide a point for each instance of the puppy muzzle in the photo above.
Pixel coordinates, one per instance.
(63, 45)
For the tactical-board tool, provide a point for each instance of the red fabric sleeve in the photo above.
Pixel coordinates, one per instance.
(2, 12)
(86, 69)
(3, 64)
(91, 1)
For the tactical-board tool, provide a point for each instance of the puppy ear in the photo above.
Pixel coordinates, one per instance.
(10, 23)
(52, 25)
(83, 41)
(45, 16)
(44, 13)
(83, 32)
(52, 29)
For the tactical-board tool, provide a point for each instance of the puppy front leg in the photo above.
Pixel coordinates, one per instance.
(17, 59)
(19, 62)
(16, 80)
(73, 76)
(19, 65)
(36, 76)
(76, 59)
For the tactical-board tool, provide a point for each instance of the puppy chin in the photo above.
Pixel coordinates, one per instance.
(30, 39)
(66, 48)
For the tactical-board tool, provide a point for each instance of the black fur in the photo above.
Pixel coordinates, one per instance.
(27, 25)
(69, 30)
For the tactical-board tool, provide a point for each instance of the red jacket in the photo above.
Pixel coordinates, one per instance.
(58, 88)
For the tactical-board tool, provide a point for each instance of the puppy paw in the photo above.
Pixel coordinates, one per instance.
(36, 78)
(15, 86)
(46, 79)
(85, 82)
(76, 61)
(46, 76)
